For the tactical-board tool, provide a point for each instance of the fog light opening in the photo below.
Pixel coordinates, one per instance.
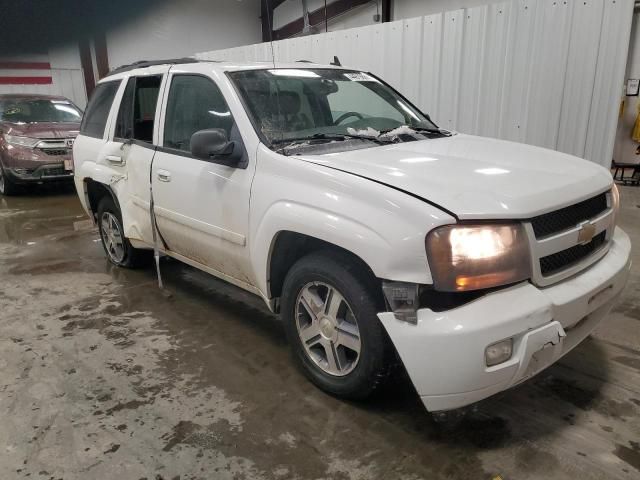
(402, 299)
(498, 352)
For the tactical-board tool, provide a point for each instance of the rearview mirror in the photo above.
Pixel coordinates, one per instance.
(213, 145)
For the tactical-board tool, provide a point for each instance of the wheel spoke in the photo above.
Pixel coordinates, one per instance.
(333, 363)
(116, 237)
(311, 302)
(332, 303)
(348, 336)
(310, 334)
(106, 228)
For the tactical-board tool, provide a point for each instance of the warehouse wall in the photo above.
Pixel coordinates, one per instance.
(56, 72)
(360, 16)
(180, 27)
(543, 72)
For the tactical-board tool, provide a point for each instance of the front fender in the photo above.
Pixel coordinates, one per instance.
(324, 225)
(384, 227)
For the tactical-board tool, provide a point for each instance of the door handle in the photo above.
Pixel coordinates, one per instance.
(115, 160)
(164, 176)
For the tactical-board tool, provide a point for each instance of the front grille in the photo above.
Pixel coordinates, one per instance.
(569, 257)
(554, 222)
(55, 151)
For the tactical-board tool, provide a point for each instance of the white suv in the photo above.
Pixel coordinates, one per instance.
(376, 235)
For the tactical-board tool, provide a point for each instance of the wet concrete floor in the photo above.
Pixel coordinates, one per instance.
(103, 377)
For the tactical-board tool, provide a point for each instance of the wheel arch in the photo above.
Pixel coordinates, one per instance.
(287, 247)
(94, 191)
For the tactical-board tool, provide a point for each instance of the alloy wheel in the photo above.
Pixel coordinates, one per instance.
(328, 329)
(112, 237)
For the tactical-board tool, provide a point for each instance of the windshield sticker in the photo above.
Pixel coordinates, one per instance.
(359, 77)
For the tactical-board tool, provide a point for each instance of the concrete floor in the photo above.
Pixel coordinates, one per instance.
(102, 377)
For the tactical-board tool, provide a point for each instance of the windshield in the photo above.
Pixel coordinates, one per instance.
(22, 110)
(289, 104)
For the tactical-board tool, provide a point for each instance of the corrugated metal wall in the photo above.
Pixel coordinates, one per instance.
(544, 72)
(64, 81)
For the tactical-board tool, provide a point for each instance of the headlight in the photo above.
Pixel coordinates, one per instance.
(472, 257)
(615, 203)
(21, 141)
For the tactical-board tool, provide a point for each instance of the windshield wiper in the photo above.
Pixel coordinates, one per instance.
(327, 136)
(435, 131)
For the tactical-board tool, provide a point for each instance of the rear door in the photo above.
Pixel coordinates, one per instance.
(131, 148)
(202, 207)
(91, 144)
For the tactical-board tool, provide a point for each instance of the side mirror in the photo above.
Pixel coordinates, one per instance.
(214, 145)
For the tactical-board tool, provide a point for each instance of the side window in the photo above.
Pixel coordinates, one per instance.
(95, 116)
(194, 103)
(138, 109)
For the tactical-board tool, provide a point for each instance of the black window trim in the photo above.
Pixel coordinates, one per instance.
(134, 141)
(182, 153)
(104, 132)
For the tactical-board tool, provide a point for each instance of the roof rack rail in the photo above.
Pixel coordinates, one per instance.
(150, 63)
(303, 61)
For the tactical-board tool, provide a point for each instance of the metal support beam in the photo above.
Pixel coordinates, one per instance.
(102, 58)
(87, 66)
(266, 16)
(386, 10)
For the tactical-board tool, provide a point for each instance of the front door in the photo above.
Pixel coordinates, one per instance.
(202, 208)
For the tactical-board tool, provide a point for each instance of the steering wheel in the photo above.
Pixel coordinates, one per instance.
(344, 116)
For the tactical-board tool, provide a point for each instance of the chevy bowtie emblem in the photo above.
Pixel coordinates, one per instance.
(586, 233)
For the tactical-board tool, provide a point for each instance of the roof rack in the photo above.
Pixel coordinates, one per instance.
(150, 63)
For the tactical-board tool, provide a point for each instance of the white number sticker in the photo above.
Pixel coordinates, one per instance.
(359, 77)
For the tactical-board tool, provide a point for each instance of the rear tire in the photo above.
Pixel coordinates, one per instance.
(119, 250)
(7, 187)
(329, 308)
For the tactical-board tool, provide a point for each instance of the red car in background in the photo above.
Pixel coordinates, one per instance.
(36, 136)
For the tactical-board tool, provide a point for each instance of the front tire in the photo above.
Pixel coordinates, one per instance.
(7, 187)
(119, 250)
(329, 308)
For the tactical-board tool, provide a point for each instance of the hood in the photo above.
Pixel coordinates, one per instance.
(42, 130)
(476, 177)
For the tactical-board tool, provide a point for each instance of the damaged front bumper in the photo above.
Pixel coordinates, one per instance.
(444, 352)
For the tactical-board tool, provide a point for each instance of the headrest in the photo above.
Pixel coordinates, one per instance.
(289, 102)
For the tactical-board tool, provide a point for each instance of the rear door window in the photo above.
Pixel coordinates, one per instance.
(97, 112)
(195, 103)
(138, 109)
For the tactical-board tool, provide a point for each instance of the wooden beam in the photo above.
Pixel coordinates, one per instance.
(317, 17)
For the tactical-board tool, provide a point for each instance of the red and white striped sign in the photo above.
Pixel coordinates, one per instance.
(14, 72)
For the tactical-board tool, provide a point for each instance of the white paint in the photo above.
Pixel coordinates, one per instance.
(534, 318)
(370, 202)
(181, 27)
(542, 72)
